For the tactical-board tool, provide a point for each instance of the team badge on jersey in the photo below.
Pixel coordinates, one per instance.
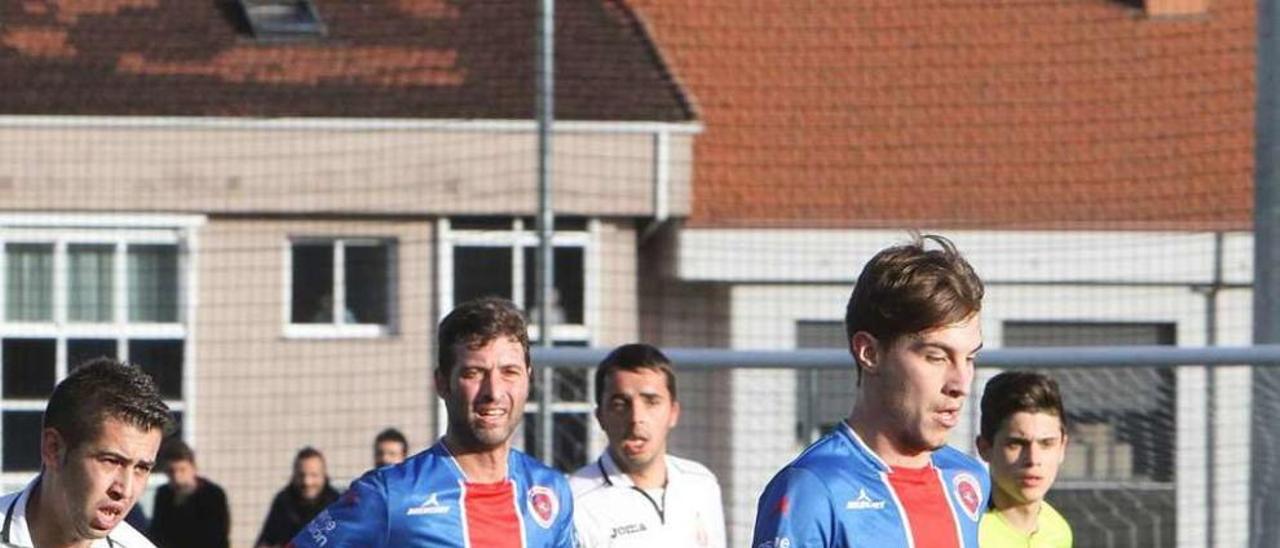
(969, 491)
(544, 505)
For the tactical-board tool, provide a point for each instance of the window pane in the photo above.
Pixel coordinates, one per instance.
(22, 441)
(368, 281)
(569, 439)
(481, 223)
(29, 295)
(163, 361)
(177, 424)
(90, 282)
(312, 283)
(153, 283)
(481, 272)
(80, 351)
(568, 273)
(29, 367)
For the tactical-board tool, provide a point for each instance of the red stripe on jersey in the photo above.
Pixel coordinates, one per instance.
(491, 515)
(925, 502)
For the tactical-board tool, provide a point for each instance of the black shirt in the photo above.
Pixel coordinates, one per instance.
(201, 520)
(290, 513)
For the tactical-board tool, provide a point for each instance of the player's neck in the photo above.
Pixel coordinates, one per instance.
(653, 476)
(42, 522)
(487, 465)
(882, 440)
(1022, 517)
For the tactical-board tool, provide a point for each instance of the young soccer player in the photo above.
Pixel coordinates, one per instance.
(1024, 438)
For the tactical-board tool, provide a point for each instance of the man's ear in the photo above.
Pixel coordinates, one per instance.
(866, 351)
(442, 382)
(675, 414)
(53, 449)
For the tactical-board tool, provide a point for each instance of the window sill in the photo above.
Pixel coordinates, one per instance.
(328, 331)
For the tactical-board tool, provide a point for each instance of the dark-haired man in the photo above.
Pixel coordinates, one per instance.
(1023, 436)
(471, 488)
(389, 447)
(307, 494)
(635, 494)
(885, 476)
(102, 428)
(190, 510)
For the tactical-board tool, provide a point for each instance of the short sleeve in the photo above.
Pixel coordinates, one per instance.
(795, 510)
(357, 520)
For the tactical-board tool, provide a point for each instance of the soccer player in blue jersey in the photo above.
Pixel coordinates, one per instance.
(885, 476)
(470, 489)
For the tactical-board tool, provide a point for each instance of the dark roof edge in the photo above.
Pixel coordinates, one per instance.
(682, 93)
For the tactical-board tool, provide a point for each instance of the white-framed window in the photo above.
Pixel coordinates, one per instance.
(340, 287)
(496, 257)
(78, 288)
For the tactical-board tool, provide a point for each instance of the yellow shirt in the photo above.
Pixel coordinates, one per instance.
(1052, 531)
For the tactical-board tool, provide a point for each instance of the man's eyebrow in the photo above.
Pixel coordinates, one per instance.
(944, 346)
(120, 456)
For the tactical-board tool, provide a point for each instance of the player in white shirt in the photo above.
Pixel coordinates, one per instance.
(102, 429)
(635, 494)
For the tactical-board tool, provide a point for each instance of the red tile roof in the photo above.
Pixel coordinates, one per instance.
(382, 58)
(1015, 114)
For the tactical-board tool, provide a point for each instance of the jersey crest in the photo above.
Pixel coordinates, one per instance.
(544, 505)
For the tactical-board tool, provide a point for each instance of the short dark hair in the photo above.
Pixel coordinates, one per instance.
(391, 434)
(1018, 391)
(476, 323)
(102, 389)
(175, 450)
(907, 289)
(307, 452)
(633, 357)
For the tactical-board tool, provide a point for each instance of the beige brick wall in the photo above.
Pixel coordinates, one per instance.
(261, 396)
(309, 171)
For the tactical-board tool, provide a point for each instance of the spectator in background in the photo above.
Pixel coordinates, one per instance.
(306, 495)
(389, 447)
(190, 511)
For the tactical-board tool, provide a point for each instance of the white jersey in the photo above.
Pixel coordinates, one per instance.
(14, 532)
(609, 510)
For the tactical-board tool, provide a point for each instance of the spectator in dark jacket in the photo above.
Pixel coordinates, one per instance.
(294, 506)
(190, 511)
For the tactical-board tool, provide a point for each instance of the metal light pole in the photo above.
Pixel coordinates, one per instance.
(544, 275)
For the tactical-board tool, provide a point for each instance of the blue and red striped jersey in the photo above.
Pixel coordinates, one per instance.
(427, 501)
(840, 494)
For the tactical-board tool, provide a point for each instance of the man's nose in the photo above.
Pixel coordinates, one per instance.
(121, 484)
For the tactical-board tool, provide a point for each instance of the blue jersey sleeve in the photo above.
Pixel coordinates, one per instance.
(795, 510)
(357, 520)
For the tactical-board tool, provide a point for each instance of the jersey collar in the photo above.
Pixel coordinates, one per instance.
(861, 449)
(614, 476)
(442, 451)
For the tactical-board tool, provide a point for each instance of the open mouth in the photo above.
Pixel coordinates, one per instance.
(107, 516)
(491, 414)
(634, 444)
(949, 417)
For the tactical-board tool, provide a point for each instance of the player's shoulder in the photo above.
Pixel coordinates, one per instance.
(950, 458)
(832, 452)
(691, 470)
(126, 536)
(586, 479)
(536, 472)
(1052, 521)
